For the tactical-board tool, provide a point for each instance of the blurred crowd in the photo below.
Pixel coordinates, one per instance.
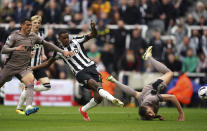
(120, 49)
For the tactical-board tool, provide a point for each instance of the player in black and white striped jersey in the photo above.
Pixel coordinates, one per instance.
(38, 56)
(83, 68)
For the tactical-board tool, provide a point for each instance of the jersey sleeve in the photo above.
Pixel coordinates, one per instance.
(9, 45)
(56, 55)
(81, 38)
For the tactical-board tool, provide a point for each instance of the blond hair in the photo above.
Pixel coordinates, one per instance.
(36, 17)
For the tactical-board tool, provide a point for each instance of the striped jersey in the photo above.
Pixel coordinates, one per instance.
(80, 60)
(37, 48)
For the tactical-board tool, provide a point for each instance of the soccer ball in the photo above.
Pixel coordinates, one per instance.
(202, 92)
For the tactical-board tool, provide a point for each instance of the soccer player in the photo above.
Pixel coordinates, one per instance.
(37, 58)
(18, 46)
(150, 96)
(83, 68)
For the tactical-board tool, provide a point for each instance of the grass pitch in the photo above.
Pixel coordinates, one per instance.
(103, 119)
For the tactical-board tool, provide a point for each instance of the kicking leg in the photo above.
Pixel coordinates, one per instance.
(124, 88)
(97, 86)
(92, 103)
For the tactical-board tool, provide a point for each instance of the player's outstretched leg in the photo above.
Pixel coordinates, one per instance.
(97, 87)
(123, 87)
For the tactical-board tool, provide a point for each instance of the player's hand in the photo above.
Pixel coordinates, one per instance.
(32, 54)
(93, 25)
(68, 53)
(181, 117)
(44, 57)
(20, 48)
(161, 118)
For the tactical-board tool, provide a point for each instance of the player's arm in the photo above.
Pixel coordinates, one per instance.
(53, 47)
(173, 99)
(44, 64)
(8, 47)
(44, 57)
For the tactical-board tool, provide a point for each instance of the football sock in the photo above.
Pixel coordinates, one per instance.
(42, 87)
(126, 89)
(158, 66)
(22, 99)
(29, 95)
(105, 94)
(89, 105)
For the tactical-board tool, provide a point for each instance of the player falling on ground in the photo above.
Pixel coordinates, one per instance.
(37, 58)
(83, 68)
(150, 96)
(18, 46)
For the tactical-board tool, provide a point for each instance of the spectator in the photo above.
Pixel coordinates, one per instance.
(95, 55)
(76, 20)
(90, 16)
(114, 15)
(180, 33)
(107, 57)
(202, 21)
(190, 62)
(6, 13)
(38, 5)
(19, 12)
(66, 16)
(195, 40)
(129, 62)
(183, 47)
(122, 9)
(158, 46)
(202, 63)
(103, 34)
(138, 45)
(204, 42)
(11, 27)
(50, 38)
(153, 15)
(53, 13)
(133, 15)
(74, 5)
(169, 48)
(119, 40)
(200, 11)
(172, 63)
(167, 12)
(190, 20)
(143, 7)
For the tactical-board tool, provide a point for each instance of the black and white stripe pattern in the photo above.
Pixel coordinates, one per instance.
(80, 60)
(37, 48)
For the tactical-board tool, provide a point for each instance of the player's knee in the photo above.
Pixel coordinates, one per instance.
(93, 84)
(98, 100)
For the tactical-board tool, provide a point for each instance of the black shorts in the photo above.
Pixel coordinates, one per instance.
(87, 74)
(40, 73)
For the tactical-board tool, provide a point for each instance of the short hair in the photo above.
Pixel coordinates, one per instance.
(143, 113)
(62, 32)
(36, 17)
(24, 19)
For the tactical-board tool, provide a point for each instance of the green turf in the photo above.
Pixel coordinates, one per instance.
(103, 119)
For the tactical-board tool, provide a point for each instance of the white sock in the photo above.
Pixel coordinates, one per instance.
(106, 95)
(21, 99)
(89, 105)
(40, 87)
(28, 107)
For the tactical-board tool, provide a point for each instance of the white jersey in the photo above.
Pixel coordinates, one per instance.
(37, 48)
(80, 60)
